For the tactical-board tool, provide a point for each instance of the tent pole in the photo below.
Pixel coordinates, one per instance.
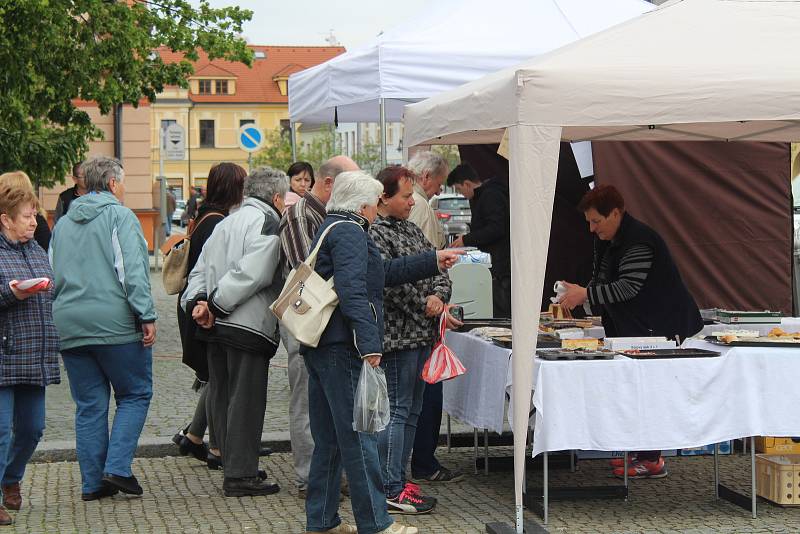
(533, 165)
(293, 139)
(383, 131)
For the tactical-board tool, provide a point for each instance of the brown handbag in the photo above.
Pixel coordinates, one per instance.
(176, 261)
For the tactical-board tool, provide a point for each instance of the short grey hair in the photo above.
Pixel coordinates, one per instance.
(353, 190)
(430, 162)
(99, 171)
(265, 183)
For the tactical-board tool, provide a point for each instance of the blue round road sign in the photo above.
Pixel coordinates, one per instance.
(250, 138)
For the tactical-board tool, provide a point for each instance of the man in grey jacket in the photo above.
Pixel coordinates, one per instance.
(229, 291)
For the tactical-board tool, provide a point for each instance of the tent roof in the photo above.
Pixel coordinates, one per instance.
(453, 42)
(691, 69)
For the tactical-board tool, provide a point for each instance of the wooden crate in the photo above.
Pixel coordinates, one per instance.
(773, 445)
(778, 478)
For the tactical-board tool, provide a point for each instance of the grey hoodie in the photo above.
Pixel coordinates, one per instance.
(102, 274)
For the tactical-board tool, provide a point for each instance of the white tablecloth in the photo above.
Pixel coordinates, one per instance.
(628, 404)
(478, 397)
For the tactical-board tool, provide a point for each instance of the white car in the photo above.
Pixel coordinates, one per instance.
(180, 205)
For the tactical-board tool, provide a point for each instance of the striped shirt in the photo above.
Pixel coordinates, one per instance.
(633, 269)
(298, 227)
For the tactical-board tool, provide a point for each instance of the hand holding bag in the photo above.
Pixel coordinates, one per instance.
(442, 363)
(371, 403)
(307, 300)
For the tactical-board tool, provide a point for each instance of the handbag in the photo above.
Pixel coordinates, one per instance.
(442, 364)
(176, 261)
(307, 300)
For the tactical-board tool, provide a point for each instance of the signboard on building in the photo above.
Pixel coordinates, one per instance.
(174, 142)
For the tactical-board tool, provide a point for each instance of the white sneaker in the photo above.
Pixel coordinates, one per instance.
(397, 528)
(341, 528)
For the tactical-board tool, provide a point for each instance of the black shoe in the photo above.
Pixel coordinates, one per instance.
(250, 486)
(127, 485)
(188, 447)
(264, 451)
(103, 492)
(213, 461)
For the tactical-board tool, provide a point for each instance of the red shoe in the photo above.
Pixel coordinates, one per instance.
(644, 469)
(620, 462)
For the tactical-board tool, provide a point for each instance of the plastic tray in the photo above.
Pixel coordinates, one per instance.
(745, 343)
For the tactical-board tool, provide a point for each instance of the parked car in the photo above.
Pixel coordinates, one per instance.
(453, 212)
(180, 205)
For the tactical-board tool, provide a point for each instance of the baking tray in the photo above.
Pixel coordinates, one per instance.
(568, 355)
(658, 354)
(469, 324)
(745, 343)
(542, 343)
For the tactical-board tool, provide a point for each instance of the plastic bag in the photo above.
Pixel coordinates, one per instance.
(371, 403)
(442, 363)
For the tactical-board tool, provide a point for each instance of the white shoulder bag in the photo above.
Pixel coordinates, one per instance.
(307, 300)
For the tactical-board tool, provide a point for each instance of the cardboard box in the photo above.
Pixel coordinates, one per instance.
(725, 447)
(778, 478)
(773, 445)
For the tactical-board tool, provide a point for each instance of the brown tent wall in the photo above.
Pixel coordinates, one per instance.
(724, 209)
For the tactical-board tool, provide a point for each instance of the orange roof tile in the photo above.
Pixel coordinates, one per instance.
(256, 84)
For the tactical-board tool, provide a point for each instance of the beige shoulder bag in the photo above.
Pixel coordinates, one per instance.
(307, 300)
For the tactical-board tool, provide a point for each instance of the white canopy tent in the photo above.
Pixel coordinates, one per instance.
(689, 70)
(452, 43)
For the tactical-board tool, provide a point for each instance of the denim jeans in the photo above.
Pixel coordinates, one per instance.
(92, 371)
(403, 369)
(333, 373)
(423, 460)
(21, 428)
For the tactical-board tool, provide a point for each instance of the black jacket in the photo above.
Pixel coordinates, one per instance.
(64, 200)
(42, 233)
(490, 229)
(194, 349)
(663, 306)
(359, 275)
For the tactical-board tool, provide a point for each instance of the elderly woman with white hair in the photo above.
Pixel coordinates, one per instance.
(353, 334)
(228, 294)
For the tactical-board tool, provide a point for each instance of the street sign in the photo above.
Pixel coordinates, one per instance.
(175, 142)
(250, 138)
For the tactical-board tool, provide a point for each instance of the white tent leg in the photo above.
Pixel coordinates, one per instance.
(533, 165)
(383, 131)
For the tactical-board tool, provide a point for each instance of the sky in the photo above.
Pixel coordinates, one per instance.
(309, 22)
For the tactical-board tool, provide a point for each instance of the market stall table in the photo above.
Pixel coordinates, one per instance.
(610, 405)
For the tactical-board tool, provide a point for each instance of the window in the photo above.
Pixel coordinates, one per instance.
(206, 134)
(222, 87)
(286, 127)
(242, 122)
(204, 87)
(165, 123)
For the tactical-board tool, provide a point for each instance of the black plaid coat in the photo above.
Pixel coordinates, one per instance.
(29, 343)
(405, 325)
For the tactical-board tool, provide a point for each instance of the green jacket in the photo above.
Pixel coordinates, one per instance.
(102, 274)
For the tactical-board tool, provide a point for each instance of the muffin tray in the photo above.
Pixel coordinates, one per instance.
(577, 354)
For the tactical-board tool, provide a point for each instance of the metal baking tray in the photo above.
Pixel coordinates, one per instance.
(746, 343)
(566, 354)
(544, 342)
(657, 354)
(469, 324)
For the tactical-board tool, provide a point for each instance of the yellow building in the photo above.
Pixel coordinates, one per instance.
(221, 98)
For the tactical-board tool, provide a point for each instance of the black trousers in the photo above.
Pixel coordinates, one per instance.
(237, 390)
(501, 296)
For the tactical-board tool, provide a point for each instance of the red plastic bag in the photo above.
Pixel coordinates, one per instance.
(442, 363)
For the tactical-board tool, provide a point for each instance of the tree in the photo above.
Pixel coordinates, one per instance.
(102, 51)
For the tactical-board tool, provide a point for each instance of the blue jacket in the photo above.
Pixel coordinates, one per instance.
(102, 271)
(29, 350)
(359, 275)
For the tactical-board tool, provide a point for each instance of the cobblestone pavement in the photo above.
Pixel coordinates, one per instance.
(173, 401)
(181, 495)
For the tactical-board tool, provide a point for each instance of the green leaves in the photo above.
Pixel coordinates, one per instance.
(56, 51)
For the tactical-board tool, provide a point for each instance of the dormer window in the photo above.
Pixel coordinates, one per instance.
(204, 87)
(221, 87)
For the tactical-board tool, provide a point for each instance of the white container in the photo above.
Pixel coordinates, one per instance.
(639, 343)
